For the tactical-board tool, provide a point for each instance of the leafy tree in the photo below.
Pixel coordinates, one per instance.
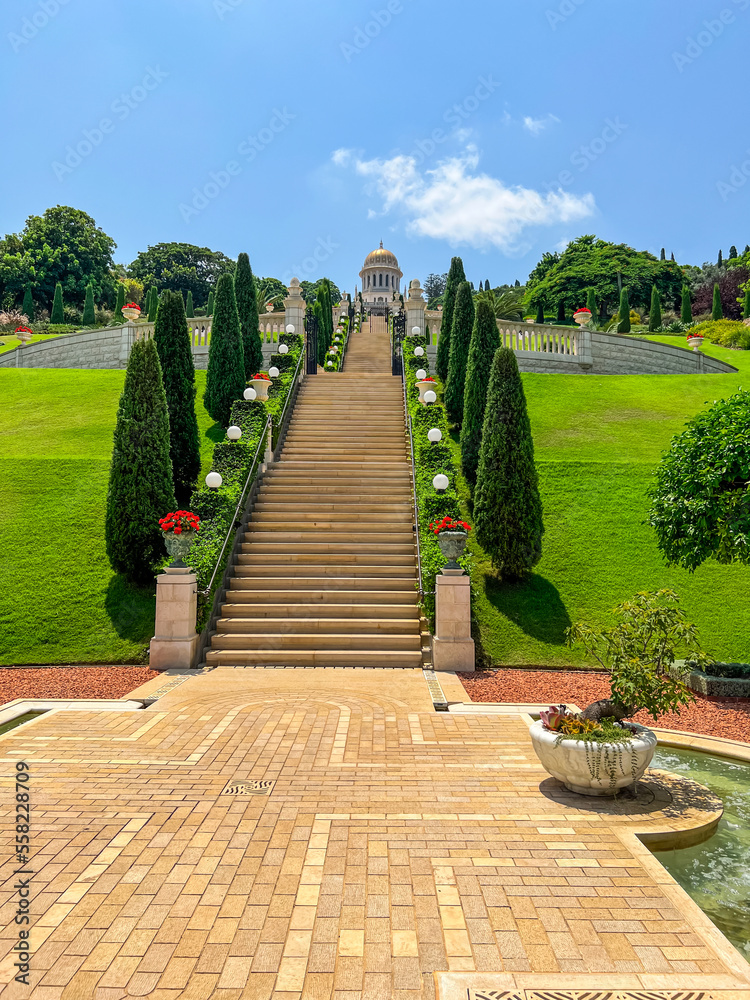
(247, 307)
(463, 325)
(540, 311)
(28, 304)
(504, 305)
(731, 283)
(589, 262)
(310, 290)
(189, 307)
(120, 301)
(140, 480)
(269, 289)
(716, 311)
(548, 262)
(172, 339)
(434, 286)
(507, 504)
(639, 652)
(732, 252)
(89, 312)
(455, 277)
(485, 340)
(624, 325)
(746, 304)
(181, 266)
(58, 312)
(225, 378)
(65, 246)
(687, 309)
(654, 316)
(561, 311)
(210, 306)
(700, 501)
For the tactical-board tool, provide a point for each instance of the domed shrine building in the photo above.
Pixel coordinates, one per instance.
(381, 278)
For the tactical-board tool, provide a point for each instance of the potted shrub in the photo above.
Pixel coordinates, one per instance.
(695, 340)
(261, 383)
(452, 536)
(131, 311)
(180, 529)
(424, 385)
(598, 752)
(24, 334)
(582, 316)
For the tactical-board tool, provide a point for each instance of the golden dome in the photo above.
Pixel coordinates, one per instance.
(381, 257)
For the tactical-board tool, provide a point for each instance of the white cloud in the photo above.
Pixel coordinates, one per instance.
(455, 202)
(342, 157)
(538, 125)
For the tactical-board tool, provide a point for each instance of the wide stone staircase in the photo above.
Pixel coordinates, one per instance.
(327, 574)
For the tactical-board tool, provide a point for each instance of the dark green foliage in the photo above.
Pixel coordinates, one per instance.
(624, 325)
(487, 285)
(687, 309)
(89, 312)
(485, 340)
(463, 324)
(58, 313)
(210, 306)
(120, 300)
(172, 341)
(732, 252)
(591, 303)
(720, 261)
(507, 504)
(318, 313)
(663, 254)
(225, 379)
(560, 311)
(700, 503)
(540, 311)
(140, 482)
(247, 308)
(717, 312)
(189, 307)
(746, 304)
(181, 267)
(455, 277)
(28, 304)
(654, 316)
(153, 305)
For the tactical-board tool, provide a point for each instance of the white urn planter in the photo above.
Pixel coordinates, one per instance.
(593, 768)
(261, 386)
(424, 386)
(695, 342)
(131, 314)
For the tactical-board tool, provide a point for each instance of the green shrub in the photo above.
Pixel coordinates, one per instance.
(485, 340)
(463, 324)
(28, 304)
(120, 301)
(58, 312)
(189, 308)
(686, 314)
(717, 312)
(455, 276)
(225, 379)
(724, 332)
(247, 308)
(624, 315)
(654, 316)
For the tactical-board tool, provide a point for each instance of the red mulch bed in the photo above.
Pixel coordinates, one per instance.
(728, 718)
(71, 682)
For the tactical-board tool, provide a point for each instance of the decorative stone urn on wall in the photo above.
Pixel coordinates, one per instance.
(261, 386)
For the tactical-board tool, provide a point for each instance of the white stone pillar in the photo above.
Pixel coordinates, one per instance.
(175, 643)
(585, 352)
(294, 308)
(452, 645)
(127, 339)
(415, 308)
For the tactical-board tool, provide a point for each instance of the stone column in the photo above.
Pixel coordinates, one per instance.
(127, 339)
(452, 645)
(415, 308)
(585, 355)
(294, 306)
(176, 642)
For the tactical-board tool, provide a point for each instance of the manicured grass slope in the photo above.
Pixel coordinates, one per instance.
(59, 600)
(598, 441)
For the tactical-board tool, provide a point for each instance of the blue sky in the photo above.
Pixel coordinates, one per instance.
(306, 133)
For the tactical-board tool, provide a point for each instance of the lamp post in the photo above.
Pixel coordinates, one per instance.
(441, 483)
(234, 433)
(214, 480)
(434, 435)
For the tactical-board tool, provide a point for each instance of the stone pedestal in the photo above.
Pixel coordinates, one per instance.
(294, 308)
(176, 642)
(452, 646)
(415, 309)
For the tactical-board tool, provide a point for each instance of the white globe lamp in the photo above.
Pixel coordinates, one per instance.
(249, 393)
(283, 348)
(434, 435)
(419, 352)
(430, 396)
(213, 480)
(273, 372)
(421, 374)
(290, 328)
(415, 331)
(234, 433)
(441, 483)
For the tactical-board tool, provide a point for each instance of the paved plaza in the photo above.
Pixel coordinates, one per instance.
(279, 833)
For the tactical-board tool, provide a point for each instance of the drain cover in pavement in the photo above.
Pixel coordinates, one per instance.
(258, 787)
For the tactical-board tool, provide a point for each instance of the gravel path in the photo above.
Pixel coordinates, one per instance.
(71, 682)
(725, 717)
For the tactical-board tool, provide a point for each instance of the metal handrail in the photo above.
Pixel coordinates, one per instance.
(250, 476)
(290, 396)
(407, 416)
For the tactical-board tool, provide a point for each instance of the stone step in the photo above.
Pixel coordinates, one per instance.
(332, 558)
(329, 525)
(319, 585)
(294, 537)
(299, 494)
(320, 570)
(321, 609)
(314, 640)
(318, 507)
(241, 625)
(315, 658)
(366, 547)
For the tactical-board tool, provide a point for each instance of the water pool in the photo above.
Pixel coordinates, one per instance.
(19, 721)
(717, 873)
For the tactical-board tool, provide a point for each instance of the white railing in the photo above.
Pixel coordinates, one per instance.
(270, 325)
(535, 337)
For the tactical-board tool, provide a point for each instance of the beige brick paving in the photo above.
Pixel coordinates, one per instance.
(397, 843)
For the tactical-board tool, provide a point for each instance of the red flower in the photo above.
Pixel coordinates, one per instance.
(132, 305)
(179, 521)
(583, 310)
(23, 329)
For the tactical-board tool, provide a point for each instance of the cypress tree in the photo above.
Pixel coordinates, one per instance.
(58, 315)
(518, 283)
(487, 285)
(732, 252)
(210, 308)
(746, 250)
(624, 325)
(28, 304)
(172, 340)
(720, 261)
(463, 325)
(153, 305)
(325, 321)
(591, 303)
(663, 254)
(247, 307)
(507, 505)
(318, 314)
(189, 308)
(746, 304)
(225, 378)
(140, 478)
(540, 311)
(89, 316)
(485, 340)
(654, 315)
(455, 277)
(687, 309)
(561, 311)
(120, 301)
(671, 256)
(717, 312)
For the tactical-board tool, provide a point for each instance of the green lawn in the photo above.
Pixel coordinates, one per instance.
(59, 600)
(9, 341)
(598, 440)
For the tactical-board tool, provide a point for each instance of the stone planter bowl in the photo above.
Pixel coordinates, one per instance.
(131, 314)
(261, 387)
(569, 761)
(452, 545)
(178, 546)
(695, 342)
(423, 388)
